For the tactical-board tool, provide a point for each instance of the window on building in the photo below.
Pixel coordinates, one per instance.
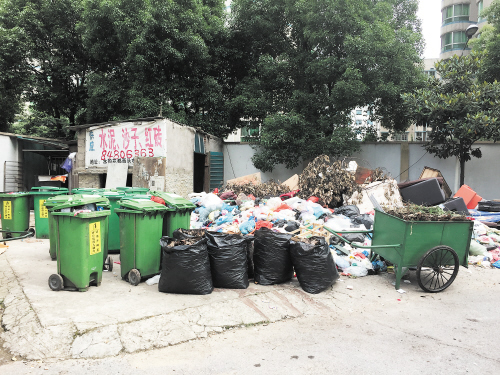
(453, 40)
(431, 72)
(358, 111)
(359, 122)
(479, 11)
(401, 137)
(456, 13)
(421, 136)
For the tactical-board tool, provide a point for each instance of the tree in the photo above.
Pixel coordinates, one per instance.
(53, 54)
(459, 109)
(489, 44)
(148, 53)
(303, 65)
(13, 75)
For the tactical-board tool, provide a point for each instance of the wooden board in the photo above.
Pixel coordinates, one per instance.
(149, 173)
(292, 182)
(428, 172)
(254, 178)
(117, 175)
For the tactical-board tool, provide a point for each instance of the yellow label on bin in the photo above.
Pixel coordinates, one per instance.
(44, 213)
(7, 210)
(95, 238)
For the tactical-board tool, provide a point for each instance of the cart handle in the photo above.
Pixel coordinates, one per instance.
(360, 246)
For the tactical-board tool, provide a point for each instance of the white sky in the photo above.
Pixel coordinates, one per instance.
(429, 12)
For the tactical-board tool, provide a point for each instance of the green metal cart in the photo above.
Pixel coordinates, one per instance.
(435, 248)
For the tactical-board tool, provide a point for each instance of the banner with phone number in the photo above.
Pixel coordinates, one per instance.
(122, 143)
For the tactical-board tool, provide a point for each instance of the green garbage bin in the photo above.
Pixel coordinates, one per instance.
(140, 232)
(133, 190)
(180, 214)
(80, 245)
(113, 221)
(40, 195)
(86, 191)
(15, 214)
(69, 203)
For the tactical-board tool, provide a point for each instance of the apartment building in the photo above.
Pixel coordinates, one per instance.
(457, 15)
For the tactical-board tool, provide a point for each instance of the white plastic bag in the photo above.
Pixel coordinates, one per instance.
(212, 202)
(358, 271)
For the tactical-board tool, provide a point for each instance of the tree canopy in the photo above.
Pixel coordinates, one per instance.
(459, 109)
(304, 65)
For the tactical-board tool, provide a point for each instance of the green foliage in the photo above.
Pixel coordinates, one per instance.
(301, 66)
(41, 125)
(460, 109)
(489, 44)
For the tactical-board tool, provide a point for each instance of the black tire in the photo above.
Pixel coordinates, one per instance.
(108, 265)
(56, 282)
(437, 269)
(134, 277)
(32, 231)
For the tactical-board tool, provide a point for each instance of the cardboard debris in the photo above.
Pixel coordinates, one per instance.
(292, 182)
(362, 174)
(254, 178)
(385, 192)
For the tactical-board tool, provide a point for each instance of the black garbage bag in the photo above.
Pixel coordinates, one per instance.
(363, 219)
(354, 237)
(291, 226)
(271, 257)
(182, 234)
(228, 260)
(314, 264)
(250, 256)
(185, 266)
(349, 211)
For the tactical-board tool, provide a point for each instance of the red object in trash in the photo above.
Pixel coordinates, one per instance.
(289, 195)
(157, 200)
(471, 198)
(251, 196)
(263, 224)
(313, 199)
(216, 191)
(282, 207)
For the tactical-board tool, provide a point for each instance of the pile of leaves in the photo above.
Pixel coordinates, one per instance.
(327, 180)
(413, 212)
(270, 188)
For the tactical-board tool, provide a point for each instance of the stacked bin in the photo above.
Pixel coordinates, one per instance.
(40, 195)
(113, 221)
(80, 242)
(15, 214)
(179, 215)
(141, 223)
(133, 190)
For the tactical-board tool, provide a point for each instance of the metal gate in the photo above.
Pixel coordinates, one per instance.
(13, 176)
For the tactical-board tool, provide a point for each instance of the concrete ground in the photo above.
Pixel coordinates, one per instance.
(362, 325)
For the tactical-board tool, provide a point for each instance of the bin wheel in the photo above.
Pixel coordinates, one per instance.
(32, 232)
(108, 265)
(134, 277)
(437, 269)
(56, 282)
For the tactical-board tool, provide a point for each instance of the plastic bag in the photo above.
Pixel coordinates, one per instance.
(250, 247)
(363, 219)
(212, 202)
(314, 265)
(228, 260)
(291, 226)
(477, 249)
(272, 261)
(185, 267)
(354, 237)
(342, 262)
(358, 271)
(182, 234)
(224, 219)
(247, 227)
(349, 211)
(339, 223)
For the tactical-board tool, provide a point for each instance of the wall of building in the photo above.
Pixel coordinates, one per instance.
(480, 174)
(180, 142)
(9, 147)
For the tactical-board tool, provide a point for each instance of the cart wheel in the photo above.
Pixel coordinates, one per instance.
(56, 282)
(134, 277)
(108, 265)
(437, 269)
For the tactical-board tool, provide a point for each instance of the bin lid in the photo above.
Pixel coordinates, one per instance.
(112, 195)
(81, 200)
(86, 190)
(15, 194)
(136, 196)
(84, 215)
(141, 205)
(174, 200)
(133, 190)
(58, 199)
(47, 190)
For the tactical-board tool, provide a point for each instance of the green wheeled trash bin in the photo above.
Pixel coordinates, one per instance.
(15, 213)
(80, 247)
(40, 195)
(141, 223)
(113, 221)
(133, 190)
(179, 215)
(70, 204)
(92, 191)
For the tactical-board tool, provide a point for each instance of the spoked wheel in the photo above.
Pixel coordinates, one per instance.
(56, 282)
(437, 269)
(134, 277)
(108, 265)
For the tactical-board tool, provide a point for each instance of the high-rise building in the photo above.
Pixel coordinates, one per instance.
(457, 15)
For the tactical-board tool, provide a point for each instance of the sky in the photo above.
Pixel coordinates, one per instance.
(429, 12)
